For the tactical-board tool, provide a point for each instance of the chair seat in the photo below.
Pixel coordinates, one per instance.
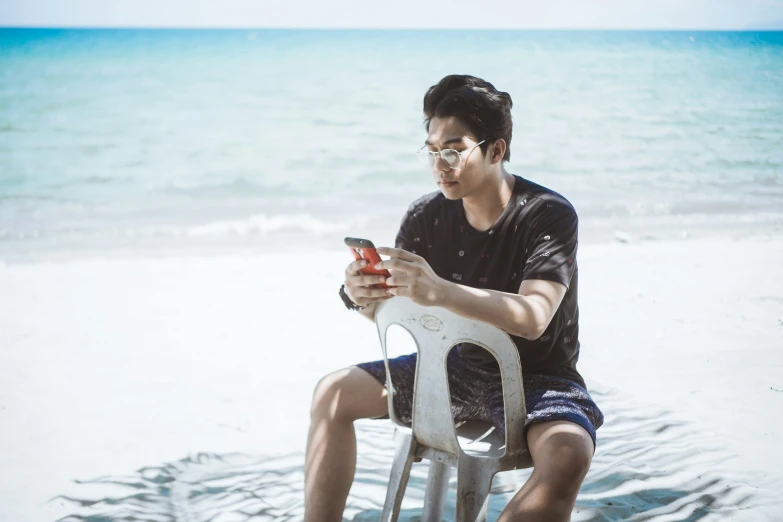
(480, 439)
(477, 439)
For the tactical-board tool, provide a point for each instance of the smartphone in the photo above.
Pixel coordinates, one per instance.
(364, 249)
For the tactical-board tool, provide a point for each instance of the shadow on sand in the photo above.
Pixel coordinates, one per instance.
(649, 466)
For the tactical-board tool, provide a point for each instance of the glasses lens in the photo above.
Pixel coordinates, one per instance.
(450, 157)
(425, 157)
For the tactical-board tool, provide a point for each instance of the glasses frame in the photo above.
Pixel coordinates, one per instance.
(430, 158)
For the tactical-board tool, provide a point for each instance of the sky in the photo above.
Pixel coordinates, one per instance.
(533, 14)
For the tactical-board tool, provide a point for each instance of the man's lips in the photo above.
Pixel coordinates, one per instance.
(444, 182)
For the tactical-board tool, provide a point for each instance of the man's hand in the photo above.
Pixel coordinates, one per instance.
(359, 286)
(412, 277)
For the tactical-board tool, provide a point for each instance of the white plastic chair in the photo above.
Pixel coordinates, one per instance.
(479, 453)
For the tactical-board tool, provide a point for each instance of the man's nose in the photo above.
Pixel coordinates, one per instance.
(441, 165)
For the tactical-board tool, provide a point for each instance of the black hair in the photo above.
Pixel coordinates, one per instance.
(482, 108)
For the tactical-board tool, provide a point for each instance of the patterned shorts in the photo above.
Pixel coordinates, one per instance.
(476, 394)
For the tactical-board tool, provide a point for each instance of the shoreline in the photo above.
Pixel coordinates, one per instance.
(593, 231)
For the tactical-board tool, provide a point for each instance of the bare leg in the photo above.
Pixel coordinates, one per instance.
(562, 452)
(330, 461)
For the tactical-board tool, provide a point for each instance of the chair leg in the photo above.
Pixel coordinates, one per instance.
(437, 490)
(404, 453)
(474, 481)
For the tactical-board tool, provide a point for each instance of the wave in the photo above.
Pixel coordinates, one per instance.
(258, 225)
(262, 224)
(238, 186)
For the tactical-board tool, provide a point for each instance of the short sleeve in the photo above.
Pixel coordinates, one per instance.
(551, 247)
(410, 237)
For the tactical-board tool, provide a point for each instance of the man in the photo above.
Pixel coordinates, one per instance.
(489, 246)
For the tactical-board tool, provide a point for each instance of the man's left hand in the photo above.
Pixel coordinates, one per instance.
(412, 277)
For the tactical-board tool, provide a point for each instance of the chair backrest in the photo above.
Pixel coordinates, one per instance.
(435, 331)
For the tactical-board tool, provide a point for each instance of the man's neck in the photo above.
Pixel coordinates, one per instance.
(484, 208)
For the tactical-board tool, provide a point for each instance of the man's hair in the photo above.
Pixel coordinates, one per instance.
(482, 108)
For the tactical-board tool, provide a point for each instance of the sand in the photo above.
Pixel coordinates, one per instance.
(179, 387)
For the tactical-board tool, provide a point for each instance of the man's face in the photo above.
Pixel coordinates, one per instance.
(451, 133)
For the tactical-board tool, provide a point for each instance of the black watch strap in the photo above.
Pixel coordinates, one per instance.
(350, 305)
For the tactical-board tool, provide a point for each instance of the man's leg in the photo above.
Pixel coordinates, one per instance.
(330, 461)
(562, 452)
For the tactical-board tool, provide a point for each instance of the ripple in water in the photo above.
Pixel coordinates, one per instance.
(650, 465)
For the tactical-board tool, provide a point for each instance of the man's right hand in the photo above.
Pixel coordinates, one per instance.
(358, 286)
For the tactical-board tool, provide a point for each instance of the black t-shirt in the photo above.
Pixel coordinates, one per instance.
(534, 238)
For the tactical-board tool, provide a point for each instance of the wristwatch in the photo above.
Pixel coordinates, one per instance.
(350, 305)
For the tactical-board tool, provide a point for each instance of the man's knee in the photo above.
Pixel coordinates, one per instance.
(562, 452)
(326, 395)
(348, 394)
(570, 458)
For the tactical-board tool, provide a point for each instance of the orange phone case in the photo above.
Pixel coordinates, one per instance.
(364, 249)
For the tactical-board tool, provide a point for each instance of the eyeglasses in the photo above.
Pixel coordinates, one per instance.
(452, 158)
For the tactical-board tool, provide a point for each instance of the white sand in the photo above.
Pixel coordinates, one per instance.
(111, 365)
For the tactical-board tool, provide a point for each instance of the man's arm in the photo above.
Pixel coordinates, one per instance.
(526, 314)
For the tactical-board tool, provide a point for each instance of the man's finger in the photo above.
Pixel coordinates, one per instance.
(378, 292)
(354, 267)
(403, 291)
(397, 253)
(365, 292)
(376, 299)
(363, 280)
(399, 280)
(395, 264)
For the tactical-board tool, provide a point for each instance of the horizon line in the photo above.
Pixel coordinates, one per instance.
(395, 28)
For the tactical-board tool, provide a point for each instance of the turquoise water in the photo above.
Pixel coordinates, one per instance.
(198, 138)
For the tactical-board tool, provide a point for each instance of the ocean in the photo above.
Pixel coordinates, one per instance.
(165, 371)
(156, 141)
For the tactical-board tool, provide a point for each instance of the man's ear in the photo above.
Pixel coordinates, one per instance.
(497, 151)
